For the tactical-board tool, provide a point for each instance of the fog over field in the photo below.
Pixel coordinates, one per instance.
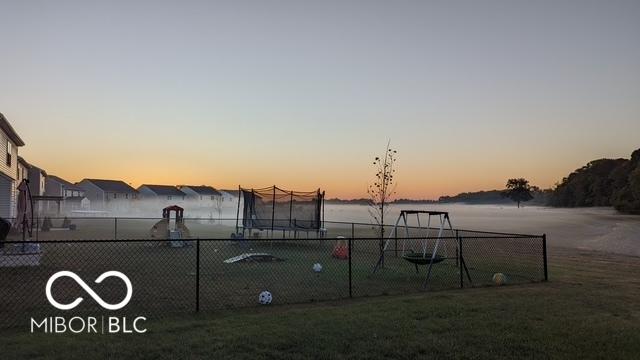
(601, 229)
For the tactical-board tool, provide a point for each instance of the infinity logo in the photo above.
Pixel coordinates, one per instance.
(89, 291)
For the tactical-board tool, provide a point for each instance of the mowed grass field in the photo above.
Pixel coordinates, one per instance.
(589, 309)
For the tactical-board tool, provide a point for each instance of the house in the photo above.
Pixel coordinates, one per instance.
(23, 169)
(37, 183)
(73, 196)
(108, 194)
(162, 193)
(229, 196)
(205, 195)
(9, 143)
(37, 180)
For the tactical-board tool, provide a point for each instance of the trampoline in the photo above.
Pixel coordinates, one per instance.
(275, 209)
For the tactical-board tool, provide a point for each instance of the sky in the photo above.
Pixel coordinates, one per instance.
(304, 94)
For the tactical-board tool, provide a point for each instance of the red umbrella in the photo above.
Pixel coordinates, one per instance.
(24, 220)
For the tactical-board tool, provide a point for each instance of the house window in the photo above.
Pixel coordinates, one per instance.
(169, 197)
(212, 198)
(9, 152)
(126, 196)
(115, 196)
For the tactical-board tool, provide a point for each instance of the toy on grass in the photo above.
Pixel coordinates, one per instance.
(317, 267)
(499, 279)
(341, 250)
(253, 257)
(265, 298)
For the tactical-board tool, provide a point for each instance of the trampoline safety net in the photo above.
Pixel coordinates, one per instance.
(277, 209)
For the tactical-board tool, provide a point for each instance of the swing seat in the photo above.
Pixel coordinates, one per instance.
(420, 259)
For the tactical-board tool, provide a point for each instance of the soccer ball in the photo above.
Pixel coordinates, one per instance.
(265, 298)
(317, 267)
(499, 279)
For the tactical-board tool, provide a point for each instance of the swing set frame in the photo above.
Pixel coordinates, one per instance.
(426, 258)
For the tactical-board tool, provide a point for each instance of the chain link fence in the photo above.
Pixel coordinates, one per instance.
(200, 275)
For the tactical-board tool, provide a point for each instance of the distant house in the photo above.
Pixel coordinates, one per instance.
(37, 180)
(204, 195)
(168, 193)
(9, 143)
(37, 183)
(73, 196)
(23, 169)
(108, 194)
(229, 195)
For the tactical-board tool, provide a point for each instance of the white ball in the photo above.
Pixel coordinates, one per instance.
(265, 298)
(317, 267)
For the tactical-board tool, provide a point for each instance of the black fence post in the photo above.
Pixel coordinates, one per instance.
(197, 274)
(115, 228)
(460, 261)
(544, 255)
(353, 232)
(395, 241)
(458, 249)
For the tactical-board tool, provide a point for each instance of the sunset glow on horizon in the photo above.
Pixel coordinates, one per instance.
(305, 96)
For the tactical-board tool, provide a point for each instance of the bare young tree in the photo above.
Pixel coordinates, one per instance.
(383, 187)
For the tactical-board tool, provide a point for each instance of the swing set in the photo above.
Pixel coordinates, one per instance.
(415, 249)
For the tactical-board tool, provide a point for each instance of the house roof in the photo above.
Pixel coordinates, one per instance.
(233, 192)
(164, 190)
(116, 186)
(23, 162)
(67, 185)
(29, 166)
(202, 190)
(8, 129)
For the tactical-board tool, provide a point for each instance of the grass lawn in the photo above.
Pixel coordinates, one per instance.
(590, 309)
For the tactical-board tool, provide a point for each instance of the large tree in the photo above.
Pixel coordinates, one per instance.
(518, 190)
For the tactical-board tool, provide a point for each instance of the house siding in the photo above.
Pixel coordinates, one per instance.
(107, 200)
(23, 173)
(8, 195)
(52, 188)
(7, 207)
(95, 195)
(37, 181)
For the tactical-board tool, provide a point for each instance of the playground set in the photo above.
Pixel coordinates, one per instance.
(424, 249)
(172, 230)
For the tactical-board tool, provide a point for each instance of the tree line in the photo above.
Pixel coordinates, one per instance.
(603, 182)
